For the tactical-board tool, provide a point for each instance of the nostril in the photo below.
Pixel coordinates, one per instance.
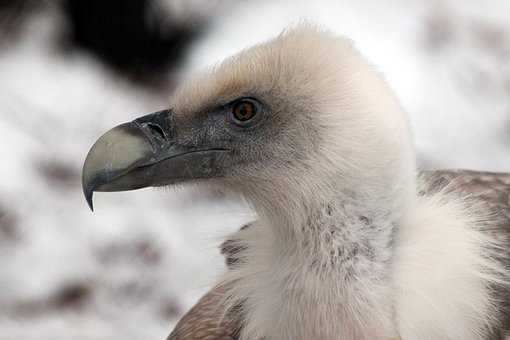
(156, 130)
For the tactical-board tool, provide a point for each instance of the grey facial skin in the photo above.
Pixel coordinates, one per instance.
(146, 152)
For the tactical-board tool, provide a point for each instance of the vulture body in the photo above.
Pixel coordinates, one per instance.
(350, 243)
(207, 320)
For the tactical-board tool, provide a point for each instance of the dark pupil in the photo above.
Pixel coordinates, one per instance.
(244, 111)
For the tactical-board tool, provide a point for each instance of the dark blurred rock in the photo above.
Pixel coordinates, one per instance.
(72, 296)
(148, 252)
(9, 225)
(135, 37)
(59, 173)
(143, 251)
(493, 38)
(135, 291)
(27, 309)
(439, 29)
(13, 14)
(170, 309)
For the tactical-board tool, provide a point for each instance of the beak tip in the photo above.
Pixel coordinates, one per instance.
(88, 197)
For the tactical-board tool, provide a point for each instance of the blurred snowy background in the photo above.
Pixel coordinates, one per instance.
(71, 69)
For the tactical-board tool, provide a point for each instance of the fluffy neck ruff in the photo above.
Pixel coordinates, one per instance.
(317, 264)
(362, 266)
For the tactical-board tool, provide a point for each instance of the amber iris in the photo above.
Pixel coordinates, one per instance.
(244, 110)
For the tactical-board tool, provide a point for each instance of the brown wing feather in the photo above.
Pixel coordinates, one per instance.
(493, 188)
(206, 321)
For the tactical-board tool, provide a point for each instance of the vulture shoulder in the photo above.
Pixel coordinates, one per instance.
(208, 321)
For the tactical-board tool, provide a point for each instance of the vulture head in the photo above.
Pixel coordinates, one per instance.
(286, 123)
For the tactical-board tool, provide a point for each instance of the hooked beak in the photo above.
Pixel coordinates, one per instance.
(144, 153)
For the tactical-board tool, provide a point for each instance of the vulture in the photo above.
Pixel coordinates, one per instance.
(351, 240)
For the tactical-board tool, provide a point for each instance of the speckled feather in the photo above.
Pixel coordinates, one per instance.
(206, 320)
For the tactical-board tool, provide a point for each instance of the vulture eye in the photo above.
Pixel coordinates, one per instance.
(244, 110)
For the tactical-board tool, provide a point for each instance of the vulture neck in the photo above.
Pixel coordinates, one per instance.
(321, 255)
(329, 217)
